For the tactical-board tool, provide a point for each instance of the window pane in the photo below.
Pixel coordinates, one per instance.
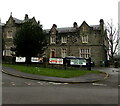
(85, 53)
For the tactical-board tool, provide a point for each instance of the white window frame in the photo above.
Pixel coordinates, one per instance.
(64, 39)
(52, 40)
(85, 39)
(63, 52)
(85, 53)
(7, 52)
(9, 34)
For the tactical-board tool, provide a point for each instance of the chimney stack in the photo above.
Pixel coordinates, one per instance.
(75, 25)
(26, 17)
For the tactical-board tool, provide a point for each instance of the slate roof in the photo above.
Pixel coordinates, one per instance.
(66, 30)
(71, 29)
(95, 27)
(63, 30)
(46, 31)
(17, 21)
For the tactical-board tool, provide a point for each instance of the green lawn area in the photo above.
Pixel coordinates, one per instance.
(51, 71)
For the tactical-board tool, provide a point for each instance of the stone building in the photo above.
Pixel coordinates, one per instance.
(79, 41)
(9, 30)
(83, 41)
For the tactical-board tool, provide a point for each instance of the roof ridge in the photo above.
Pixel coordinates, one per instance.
(17, 19)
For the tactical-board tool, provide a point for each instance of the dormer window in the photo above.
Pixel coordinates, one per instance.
(9, 34)
(52, 40)
(85, 39)
(64, 39)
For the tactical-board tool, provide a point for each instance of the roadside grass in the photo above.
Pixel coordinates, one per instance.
(51, 71)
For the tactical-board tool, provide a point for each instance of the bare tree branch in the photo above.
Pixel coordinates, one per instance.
(113, 39)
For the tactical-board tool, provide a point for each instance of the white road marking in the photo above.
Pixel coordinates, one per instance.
(65, 83)
(54, 83)
(13, 84)
(29, 84)
(57, 83)
(39, 82)
(97, 84)
(50, 82)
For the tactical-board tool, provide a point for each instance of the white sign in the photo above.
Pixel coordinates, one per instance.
(78, 62)
(55, 61)
(20, 59)
(36, 59)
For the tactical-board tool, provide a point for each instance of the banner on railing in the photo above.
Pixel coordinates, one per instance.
(37, 59)
(20, 59)
(55, 61)
(78, 62)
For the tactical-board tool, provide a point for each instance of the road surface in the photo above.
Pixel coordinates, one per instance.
(25, 91)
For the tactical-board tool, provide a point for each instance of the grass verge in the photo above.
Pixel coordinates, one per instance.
(50, 71)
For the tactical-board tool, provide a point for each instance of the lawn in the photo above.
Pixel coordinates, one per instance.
(51, 71)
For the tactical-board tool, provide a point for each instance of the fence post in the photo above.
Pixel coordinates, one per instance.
(89, 64)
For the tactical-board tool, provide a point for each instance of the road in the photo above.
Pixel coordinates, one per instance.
(25, 91)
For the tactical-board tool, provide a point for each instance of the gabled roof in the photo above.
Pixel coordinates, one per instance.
(18, 21)
(84, 23)
(95, 27)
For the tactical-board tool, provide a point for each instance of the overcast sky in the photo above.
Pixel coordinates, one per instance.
(61, 12)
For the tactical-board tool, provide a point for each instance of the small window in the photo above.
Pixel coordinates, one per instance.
(52, 32)
(7, 53)
(84, 39)
(83, 28)
(9, 34)
(64, 39)
(64, 52)
(52, 40)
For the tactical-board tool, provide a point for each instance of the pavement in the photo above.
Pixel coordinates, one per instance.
(88, 78)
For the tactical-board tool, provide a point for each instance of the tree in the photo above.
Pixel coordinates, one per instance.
(113, 40)
(29, 41)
